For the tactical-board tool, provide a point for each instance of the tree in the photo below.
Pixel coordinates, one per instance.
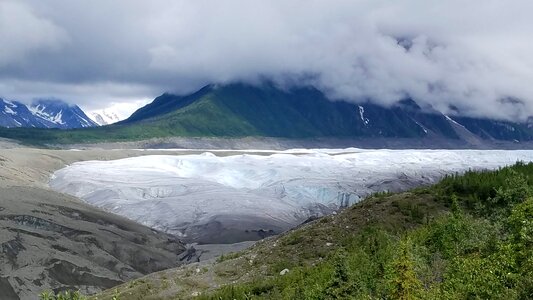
(405, 284)
(340, 286)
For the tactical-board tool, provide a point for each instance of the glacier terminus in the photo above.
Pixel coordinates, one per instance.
(219, 197)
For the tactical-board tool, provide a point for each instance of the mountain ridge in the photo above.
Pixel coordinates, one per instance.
(43, 113)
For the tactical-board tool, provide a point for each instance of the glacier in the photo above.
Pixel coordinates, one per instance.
(207, 198)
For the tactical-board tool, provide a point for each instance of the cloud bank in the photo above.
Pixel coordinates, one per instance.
(475, 55)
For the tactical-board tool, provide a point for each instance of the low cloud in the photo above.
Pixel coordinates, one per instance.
(473, 55)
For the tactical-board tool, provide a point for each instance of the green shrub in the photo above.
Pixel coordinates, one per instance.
(405, 283)
(340, 285)
(66, 295)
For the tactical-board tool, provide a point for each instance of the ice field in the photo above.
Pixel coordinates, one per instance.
(200, 196)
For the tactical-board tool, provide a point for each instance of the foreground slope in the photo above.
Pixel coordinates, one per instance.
(468, 237)
(50, 240)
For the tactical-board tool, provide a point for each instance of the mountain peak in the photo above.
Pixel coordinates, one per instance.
(104, 117)
(409, 104)
(43, 113)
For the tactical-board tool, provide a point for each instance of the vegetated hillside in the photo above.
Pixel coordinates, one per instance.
(468, 237)
(239, 110)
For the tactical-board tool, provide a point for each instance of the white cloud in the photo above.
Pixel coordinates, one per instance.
(467, 54)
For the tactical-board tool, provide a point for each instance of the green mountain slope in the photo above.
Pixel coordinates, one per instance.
(468, 237)
(268, 111)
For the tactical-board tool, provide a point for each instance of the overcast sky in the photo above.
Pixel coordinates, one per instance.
(475, 55)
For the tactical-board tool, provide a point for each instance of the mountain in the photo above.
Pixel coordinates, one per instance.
(60, 114)
(104, 117)
(298, 114)
(43, 114)
(16, 114)
(244, 110)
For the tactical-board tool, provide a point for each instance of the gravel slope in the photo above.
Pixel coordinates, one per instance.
(50, 240)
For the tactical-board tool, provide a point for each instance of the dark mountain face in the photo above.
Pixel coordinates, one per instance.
(166, 103)
(16, 114)
(61, 114)
(496, 130)
(241, 110)
(43, 114)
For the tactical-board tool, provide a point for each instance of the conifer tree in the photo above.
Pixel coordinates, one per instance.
(406, 286)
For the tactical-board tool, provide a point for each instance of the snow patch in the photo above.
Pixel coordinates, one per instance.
(7, 102)
(8, 110)
(39, 111)
(362, 115)
(423, 128)
(453, 121)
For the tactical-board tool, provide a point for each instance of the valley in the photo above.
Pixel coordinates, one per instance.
(55, 241)
(277, 150)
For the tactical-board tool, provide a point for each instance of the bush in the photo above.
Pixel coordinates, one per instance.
(67, 295)
(405, 283)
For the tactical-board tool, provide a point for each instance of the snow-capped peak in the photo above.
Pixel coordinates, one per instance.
(43, 113)
(104, 116)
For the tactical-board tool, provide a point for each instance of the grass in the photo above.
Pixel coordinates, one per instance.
(228, 256)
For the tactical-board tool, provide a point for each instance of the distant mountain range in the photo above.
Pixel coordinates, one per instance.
(43, 114)
(244, 110)
(240, 110)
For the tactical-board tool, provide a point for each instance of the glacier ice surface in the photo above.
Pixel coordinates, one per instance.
(272, 192)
